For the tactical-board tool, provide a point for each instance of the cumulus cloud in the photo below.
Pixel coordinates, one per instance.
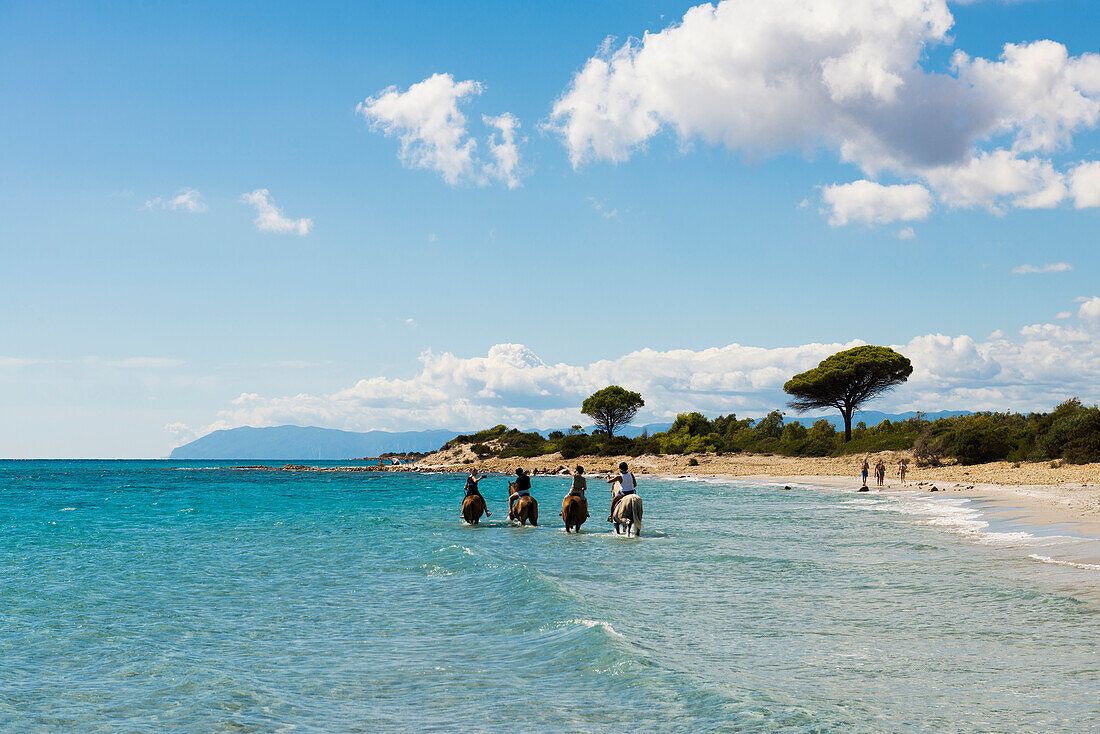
(845, 75)
(1040, 93)
(270, 218)
(907, 233)
(1038, 367)
(997, 180)
(1048, 268)
(873, 203)
(186, 199)
(431, 128)
(1090, 308)
(1086, 185)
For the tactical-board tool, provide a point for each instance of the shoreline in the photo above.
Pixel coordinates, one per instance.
(1039, 494)
(1055, 527)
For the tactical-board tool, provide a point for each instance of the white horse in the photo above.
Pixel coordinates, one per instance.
(628, 514)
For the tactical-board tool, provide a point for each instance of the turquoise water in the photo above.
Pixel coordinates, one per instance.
(137, 596)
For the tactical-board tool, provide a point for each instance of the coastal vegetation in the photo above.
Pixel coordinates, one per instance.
(1070, 433)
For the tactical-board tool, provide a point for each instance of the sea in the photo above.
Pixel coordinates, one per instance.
(187, 596)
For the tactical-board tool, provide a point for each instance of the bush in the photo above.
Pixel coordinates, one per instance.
(929, 450)
(480, 449)
(693, 461)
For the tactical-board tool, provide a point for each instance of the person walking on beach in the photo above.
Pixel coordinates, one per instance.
(903, 466)
(880, 472)
(627, 485)
(866, 470)
(523, 488)
(471, 488)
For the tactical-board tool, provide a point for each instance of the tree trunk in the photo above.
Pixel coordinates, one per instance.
(847, 413)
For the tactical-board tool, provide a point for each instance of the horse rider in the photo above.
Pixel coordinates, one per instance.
(523, 488)
(580, 484)
(627, 485)
(471, 488)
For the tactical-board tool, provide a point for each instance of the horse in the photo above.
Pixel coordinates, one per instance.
(525, 509)
(574, 511)
(628, 513)
(472, 508)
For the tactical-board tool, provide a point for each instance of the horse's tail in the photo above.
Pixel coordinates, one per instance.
(636, 515)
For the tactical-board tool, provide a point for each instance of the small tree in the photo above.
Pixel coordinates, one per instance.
(612, 407)
(848, 379)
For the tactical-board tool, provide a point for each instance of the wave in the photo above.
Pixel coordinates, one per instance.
(1068, 564)
(590, 623)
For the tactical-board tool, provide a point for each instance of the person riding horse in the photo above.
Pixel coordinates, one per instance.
(627, 485)
(574, 506)
(471, 489)
(523, 488)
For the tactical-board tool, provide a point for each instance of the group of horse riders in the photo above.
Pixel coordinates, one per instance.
(622, 484)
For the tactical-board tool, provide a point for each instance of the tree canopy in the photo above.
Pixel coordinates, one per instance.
(848, 379)
(612, 407)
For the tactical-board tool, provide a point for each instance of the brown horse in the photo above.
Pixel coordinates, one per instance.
(525, 509)
(574, 511)
(628, 514)
(472, 508)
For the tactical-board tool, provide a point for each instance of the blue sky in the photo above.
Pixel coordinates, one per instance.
(129, 310)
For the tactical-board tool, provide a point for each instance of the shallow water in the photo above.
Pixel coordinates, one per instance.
(137, 596)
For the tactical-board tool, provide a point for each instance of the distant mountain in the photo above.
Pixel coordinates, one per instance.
(305, 442)
(628, 431)
(871, 417)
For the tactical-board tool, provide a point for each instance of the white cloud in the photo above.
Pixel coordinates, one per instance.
(12, 362)
(432, 129)
(995, 180)
(1063, 315)
(873, 203)
(270, 218)
(181, 433)
(845, 75)
(1039, 367)
(907, 233)
(788, 74)
(186, 199)
(1086, 184)
(505, 165)
(1048, 268)
(1090, 308)
(1040, 93)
